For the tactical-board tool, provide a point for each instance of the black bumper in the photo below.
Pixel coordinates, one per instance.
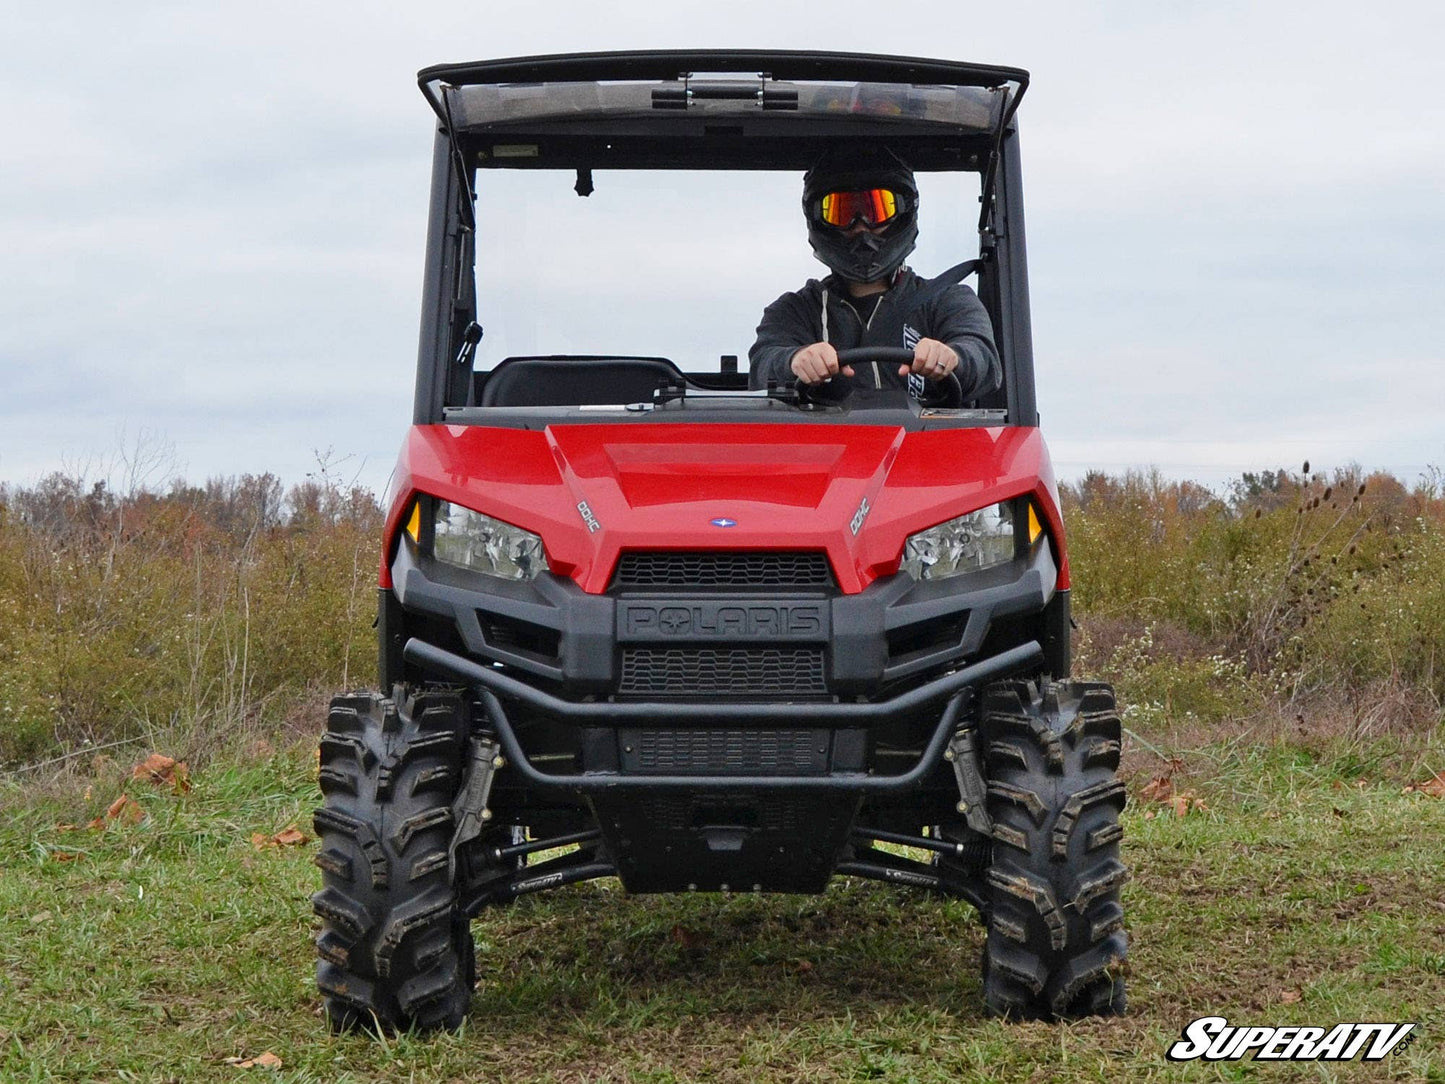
(841, 717)
(896, 628)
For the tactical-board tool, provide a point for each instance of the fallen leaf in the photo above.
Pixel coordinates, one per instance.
(163, 771)
(802, 967)
(1159, 790)
(43, 916)
(1186, 802)
(685, 937)
(267, 1060)
(290, 836)
(1434, 786)
(64, 856)
(123, 809)
(1289, 997)
(66, 827)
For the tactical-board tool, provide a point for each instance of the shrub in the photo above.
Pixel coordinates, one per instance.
(1307, 582)
(196, 607)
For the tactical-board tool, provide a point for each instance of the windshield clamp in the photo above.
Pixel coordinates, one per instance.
(764, 90)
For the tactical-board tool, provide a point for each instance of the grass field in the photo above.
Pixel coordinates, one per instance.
(1277, 644)
(1308, 890)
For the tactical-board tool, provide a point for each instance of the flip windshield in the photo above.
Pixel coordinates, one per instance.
(668, 264)
(619, 222)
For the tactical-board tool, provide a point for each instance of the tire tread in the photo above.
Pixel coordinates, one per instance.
(393, 951)
(1056, 944)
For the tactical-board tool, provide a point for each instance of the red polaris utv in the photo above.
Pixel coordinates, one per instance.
(704, 638)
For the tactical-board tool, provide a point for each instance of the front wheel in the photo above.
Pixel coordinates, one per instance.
(1056, 942)
(394, 952)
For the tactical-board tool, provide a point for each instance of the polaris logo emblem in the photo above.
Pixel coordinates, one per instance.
(723, 521)
(721, 621)
(859, 516)
(588, 518)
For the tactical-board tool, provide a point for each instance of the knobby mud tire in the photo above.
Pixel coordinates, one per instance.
(1056, 944)
(394, 951)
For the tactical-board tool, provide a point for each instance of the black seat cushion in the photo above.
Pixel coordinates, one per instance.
(524, 382)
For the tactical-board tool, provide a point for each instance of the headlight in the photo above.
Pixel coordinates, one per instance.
(486, 545)
(978, 540)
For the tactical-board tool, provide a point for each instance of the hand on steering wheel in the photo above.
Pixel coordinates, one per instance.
(945, 391)
(931, 359)
(817, 363)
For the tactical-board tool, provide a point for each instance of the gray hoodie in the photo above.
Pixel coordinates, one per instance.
(908, 311)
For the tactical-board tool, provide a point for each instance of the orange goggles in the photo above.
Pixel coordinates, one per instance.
(874, 206)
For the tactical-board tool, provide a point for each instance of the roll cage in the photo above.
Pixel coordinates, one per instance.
(716, 110)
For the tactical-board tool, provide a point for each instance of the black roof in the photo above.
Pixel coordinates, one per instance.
(744, 108)
(670, 63)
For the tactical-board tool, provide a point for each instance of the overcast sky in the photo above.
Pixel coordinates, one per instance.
(211, 223)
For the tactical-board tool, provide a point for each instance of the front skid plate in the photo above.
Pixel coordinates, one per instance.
(719, 841)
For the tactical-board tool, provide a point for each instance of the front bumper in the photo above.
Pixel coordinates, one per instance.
(833, 723)
(895, 629)
(711, 791)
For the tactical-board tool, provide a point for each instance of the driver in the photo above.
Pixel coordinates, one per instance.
(862, 211)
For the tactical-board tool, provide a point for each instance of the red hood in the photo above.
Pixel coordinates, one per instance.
(669, 486)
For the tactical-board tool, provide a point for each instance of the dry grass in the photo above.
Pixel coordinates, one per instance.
(1308, 891)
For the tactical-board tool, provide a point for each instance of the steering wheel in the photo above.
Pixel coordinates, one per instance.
(946, 393)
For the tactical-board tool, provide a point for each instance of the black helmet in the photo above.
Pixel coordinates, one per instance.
(864, 257)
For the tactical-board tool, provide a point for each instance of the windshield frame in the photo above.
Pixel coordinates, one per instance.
(907, 414)
(444, 379)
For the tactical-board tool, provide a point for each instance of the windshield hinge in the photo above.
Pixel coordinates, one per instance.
(763, 89)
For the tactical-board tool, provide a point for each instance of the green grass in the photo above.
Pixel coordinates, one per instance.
(166, 947)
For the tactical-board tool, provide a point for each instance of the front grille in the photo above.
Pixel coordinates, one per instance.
(708, 671)
(726, 568)
(725, 751)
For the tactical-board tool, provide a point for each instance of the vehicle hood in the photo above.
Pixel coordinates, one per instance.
(591, 491)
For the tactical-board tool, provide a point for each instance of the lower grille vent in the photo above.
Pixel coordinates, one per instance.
(707, 671)
(725, 752)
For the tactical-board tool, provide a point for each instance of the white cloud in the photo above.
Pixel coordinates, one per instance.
(213, 220)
